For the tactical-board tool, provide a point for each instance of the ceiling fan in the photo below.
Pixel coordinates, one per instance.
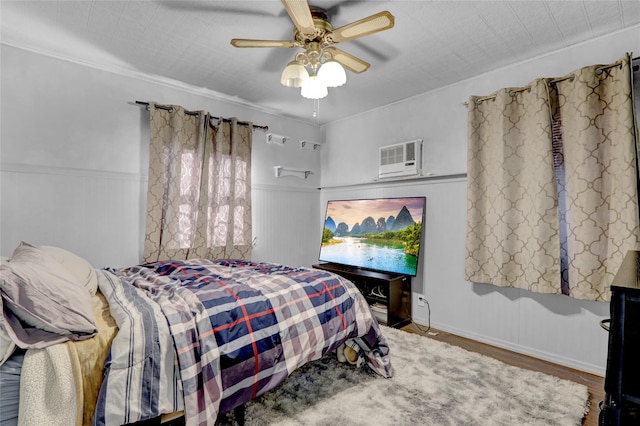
(314, 33)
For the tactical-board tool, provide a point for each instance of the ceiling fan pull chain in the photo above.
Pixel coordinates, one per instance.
(316, 109)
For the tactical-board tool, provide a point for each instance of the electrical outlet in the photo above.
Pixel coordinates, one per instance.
(421, 300)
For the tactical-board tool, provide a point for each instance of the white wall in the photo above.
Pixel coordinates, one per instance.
(552, 327)
(74, 159)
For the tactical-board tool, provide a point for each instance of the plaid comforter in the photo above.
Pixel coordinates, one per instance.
(238, 328)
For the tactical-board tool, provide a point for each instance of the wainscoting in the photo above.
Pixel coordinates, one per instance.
(96, 214)
(287, 227)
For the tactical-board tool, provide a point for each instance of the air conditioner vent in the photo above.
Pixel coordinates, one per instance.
(403, 159)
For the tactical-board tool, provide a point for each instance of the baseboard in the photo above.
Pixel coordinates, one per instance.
(524, 350)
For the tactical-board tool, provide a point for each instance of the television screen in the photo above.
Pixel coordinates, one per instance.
(382, 234)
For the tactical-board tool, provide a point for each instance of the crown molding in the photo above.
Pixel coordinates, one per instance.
(151, 78)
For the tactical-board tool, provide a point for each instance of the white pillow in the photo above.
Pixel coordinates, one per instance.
(78, 266)
(46, 296)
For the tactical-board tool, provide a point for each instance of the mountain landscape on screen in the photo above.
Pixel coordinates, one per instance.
(382, 234)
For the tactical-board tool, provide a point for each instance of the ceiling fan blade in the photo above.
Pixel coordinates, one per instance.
(372, 24)
(347, 60)
(245, 42)
(300, 14)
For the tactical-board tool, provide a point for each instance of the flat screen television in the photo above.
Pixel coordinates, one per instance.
(381, 234)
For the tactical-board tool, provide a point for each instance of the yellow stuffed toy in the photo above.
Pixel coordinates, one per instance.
(347, 353)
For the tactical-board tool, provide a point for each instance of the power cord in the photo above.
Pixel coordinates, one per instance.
(418, 326)
(377, 291)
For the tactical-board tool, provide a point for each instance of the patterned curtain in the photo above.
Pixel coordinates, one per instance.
(594, 111)
(199, 197)
(553, 183)
(512, 219)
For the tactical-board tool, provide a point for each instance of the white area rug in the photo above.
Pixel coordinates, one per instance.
(433, 384)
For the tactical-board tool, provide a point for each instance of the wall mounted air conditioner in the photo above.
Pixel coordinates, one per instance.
(402, 159)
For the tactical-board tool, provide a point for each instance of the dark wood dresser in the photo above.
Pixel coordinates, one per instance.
(622, 382)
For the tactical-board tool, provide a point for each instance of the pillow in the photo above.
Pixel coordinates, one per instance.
(6, 344)
(43, 294)
(6, 347)
(78, 266)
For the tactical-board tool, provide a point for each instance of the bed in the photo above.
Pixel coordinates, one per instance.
(195, 338)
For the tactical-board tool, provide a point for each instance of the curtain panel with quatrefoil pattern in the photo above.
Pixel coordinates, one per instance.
(552, 192)
(199, 196)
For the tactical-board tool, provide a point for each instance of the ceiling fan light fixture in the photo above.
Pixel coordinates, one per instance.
(294, 75)
(320, 65)
(332, 74)
(314, 89)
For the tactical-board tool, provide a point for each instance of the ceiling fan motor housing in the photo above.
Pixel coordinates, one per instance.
(323, 27)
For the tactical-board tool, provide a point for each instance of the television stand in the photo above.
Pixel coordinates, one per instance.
(388, 295)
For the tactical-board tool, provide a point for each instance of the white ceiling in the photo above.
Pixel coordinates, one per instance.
(433, 43)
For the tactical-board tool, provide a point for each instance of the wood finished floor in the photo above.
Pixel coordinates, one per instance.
(593, 382)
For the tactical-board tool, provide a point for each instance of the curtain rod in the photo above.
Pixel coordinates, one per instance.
(528, 88)
(598, 71)
(168, 108)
